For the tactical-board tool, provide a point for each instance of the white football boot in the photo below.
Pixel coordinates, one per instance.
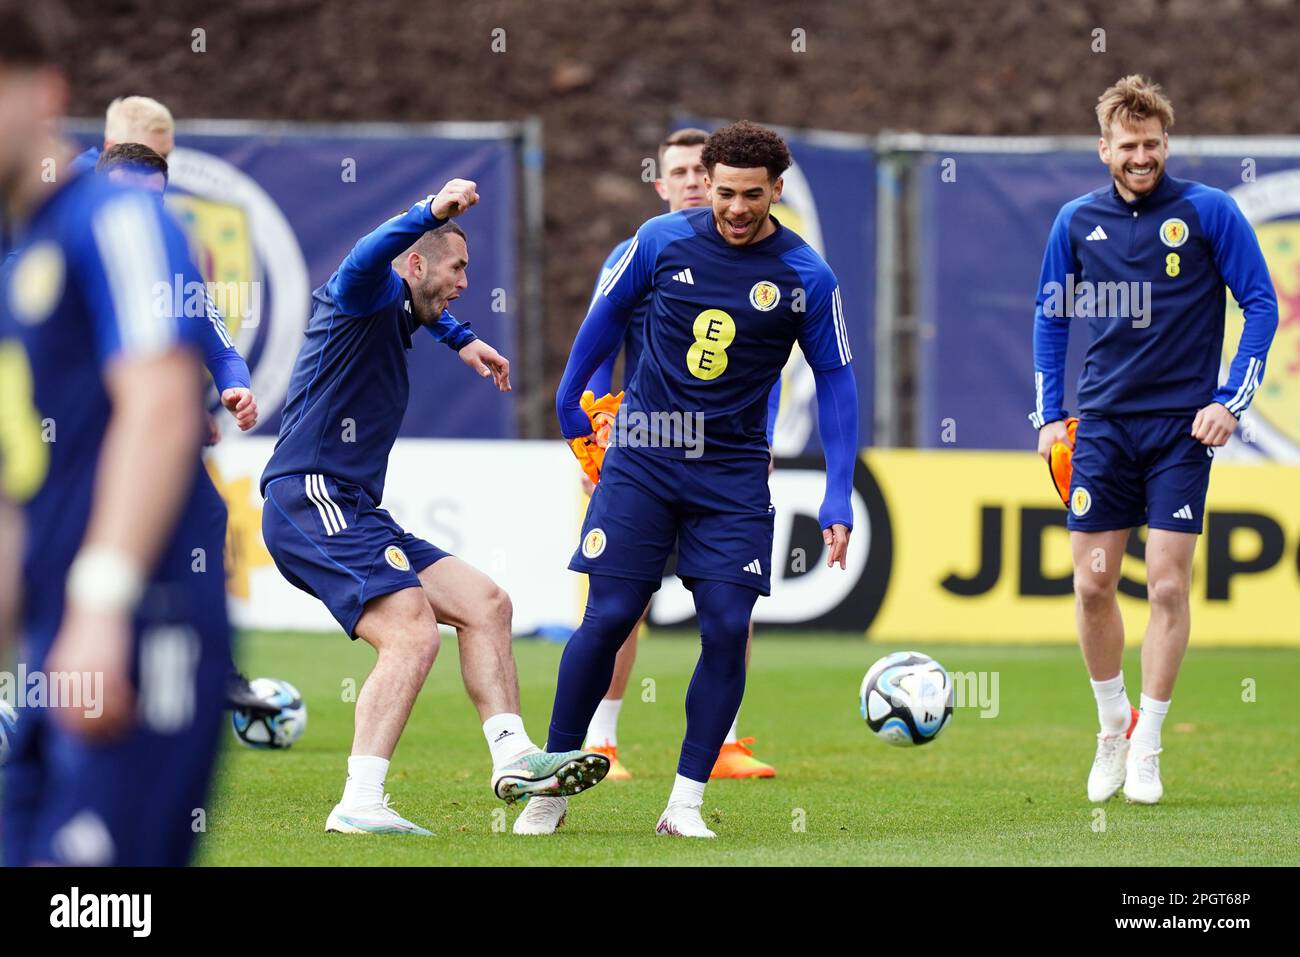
(682, 820)
(1142, 785)
(1108, 767)
(379, 819)
(549, 774)
(542, 815)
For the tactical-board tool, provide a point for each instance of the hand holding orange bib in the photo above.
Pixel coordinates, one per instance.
(1060, 466)
(590, 449)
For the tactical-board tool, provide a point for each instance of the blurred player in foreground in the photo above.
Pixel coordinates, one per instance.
(682, 185)
(733, 290)
(1152, 410)
(323, 525)
(110, 764)
(134, 164)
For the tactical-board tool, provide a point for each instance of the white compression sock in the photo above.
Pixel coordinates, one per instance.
(603, 729)
(732, 734)
(1113, 709)
(1152, 716)
(506, 738)
(686, 791)
(365, 784)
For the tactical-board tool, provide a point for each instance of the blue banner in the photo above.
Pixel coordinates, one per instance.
(271, 214)
(981, 236)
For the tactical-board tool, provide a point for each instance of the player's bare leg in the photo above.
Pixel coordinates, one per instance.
(1169, 574)
(402, 629)
(479, 609)
(602, 733)
(1098, 557)
(468, 600)
(736, 759)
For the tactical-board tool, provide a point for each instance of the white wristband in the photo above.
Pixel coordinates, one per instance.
(102, 579)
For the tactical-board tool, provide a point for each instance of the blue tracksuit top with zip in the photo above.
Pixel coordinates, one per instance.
(350, 383)
(1190, 243)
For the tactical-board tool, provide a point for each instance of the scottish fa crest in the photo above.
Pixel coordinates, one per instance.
(764, 295)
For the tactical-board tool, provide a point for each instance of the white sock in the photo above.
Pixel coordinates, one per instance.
(1113, 709)
(731, 735)
(365, 784)
(603, 729)
(506, 738)
(1152, 716)
(686, 791)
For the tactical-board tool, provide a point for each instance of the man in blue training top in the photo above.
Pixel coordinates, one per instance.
(134, 164)
(682, 184)
(324, 528)
(133, 641)
(1146, 261)
(733, 290)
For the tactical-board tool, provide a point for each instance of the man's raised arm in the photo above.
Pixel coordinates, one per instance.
(366, 278)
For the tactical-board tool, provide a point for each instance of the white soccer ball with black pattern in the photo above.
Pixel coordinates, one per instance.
(279, 730)
(8, 727)
(906, 699)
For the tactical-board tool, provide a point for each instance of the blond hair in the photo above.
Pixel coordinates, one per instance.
(130, 117)
(1133, 100)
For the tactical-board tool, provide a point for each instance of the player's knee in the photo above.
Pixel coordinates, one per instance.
(403, 625)
(497, 607)
(1168, 591)
(1094, 590)
(614, 606)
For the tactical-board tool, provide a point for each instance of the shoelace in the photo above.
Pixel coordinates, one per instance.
(744, 745)
(1107, 745)
(1148, 766)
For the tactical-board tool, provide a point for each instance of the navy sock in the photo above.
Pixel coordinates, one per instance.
(719, 680)
(587, 665)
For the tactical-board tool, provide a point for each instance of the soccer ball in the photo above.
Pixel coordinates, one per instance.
(906, 698)
(8, 725)
(280, 730)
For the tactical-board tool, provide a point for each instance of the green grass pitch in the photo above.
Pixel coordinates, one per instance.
(999, 790)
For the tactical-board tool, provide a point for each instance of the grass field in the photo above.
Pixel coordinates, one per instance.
(1000, 790)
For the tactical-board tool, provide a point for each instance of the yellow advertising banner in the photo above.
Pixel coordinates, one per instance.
(980, 552)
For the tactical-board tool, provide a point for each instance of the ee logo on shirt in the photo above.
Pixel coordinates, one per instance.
(714, 330)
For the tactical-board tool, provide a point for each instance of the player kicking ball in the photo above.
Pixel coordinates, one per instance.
(713, 349)
(1152, 410)
(325, 529)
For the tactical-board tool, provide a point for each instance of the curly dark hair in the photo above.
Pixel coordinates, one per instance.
(746, 145)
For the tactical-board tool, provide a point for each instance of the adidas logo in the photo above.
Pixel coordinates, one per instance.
(754, 567)
(502, 736)
(1184, 512)
(1096, 234)
(686, 277)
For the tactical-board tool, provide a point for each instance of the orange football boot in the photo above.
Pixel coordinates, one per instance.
(736, 760)
(616, 770)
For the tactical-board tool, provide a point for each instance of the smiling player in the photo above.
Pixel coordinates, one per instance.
(1152, 410)
(683, 185)
(714, 346)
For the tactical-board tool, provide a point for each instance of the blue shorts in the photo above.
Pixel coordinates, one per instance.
(329, 539)
(1133, 470)
(140, 800)
(718, 514)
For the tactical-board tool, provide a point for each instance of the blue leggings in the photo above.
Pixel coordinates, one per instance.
(717, 687)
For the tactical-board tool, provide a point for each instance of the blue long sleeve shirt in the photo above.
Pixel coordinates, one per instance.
(350, 384)
(1150, 278)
